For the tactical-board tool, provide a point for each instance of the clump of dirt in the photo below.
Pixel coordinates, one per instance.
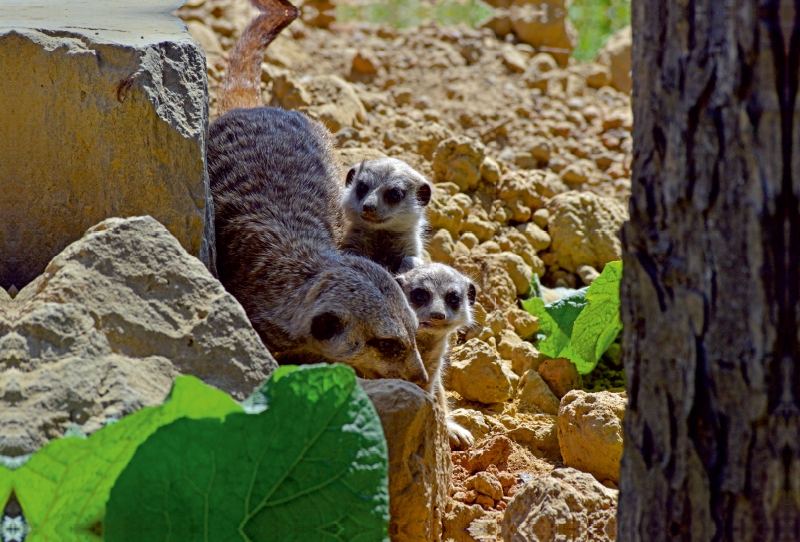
(526, 155)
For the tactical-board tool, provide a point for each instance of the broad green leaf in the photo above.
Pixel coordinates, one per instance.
(556, 322)
(599, 323)
(64, 486)
(5, 485)
(312, 466)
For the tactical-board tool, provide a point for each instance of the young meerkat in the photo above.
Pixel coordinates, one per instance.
(443, 299)
(276, 194)
(384, 206)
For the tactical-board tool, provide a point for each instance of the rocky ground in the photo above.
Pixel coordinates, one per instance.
(530, 153)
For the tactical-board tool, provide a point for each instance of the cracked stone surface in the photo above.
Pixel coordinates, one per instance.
(104, 114)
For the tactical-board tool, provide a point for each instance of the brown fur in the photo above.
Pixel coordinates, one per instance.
(276, 191)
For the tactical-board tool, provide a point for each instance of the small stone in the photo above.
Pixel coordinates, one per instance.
(490, 171)
(445, 215)
(458, 159)
(496, 320)
(590, 432)
(487, 484)
(542, 63)
(616, 55)
(441, 247)
(207, 38)
(469, 239)
(587, 273)
(598, 75)
(494, 452)
(574, 174)
(485, 501)
(541, 436)
(525, 324)
(565, 505)
(561, 375)
(365, 62)
(513, 59)
(541, 149)
(584, 228)
(468, 496)
(534, 395)
(471, 420)
(520, 273)
(477, 374)
(541, 217)
(483, 229)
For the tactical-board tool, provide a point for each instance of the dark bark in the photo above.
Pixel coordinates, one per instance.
(712, 274)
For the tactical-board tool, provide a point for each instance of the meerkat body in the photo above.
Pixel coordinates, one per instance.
(443, 299)
(384, 206)
(276, 192)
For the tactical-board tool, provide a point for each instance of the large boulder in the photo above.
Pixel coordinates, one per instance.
(584, 229)
(565, 506)
(106, 115)
(419, 458)
(107, 327)
(590, 432)
(545, 26)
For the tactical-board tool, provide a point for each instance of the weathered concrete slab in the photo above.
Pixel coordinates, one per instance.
(105, 113)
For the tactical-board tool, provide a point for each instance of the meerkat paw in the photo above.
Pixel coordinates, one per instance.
(459, 437)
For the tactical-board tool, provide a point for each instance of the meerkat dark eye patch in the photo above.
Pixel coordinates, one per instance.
(453, 299)
(393, 196)
(326, 326)
(472, 293)
(420, 297)
(351, 175)
(424, 194)
(386, 347)
(361, 190)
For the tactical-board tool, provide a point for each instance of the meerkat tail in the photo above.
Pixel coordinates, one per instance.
(241, 87)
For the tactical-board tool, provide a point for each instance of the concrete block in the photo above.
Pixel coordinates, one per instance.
(105, 113)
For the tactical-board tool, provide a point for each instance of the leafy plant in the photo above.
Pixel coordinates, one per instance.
(63, 488)
(582, 325)
(314, 462)
(312, 466)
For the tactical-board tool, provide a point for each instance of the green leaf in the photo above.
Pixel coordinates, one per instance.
(599, 323)
(312, 466)
(555, 323)
(64, 487)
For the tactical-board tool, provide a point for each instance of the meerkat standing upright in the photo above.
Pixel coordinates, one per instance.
(443, 299)
(276, 193)
(384, 202)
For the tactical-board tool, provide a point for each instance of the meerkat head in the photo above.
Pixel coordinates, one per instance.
(359, 316)
(441, 297)
(385, 194)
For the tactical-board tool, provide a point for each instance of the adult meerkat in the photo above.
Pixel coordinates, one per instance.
(276, 192)
(443, 299)
(384, 206)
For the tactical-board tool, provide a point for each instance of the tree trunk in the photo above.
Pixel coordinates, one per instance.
(712, 273)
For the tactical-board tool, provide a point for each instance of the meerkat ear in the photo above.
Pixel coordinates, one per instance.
(472, 293)
(401, 280)
(325, 326)
(350, 176)
(424, 194)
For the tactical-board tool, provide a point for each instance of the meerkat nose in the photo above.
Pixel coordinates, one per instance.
(368, 208)
(437, 316)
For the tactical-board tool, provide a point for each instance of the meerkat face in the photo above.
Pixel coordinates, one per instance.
(361, 318)
(441, 297)
(385, 194)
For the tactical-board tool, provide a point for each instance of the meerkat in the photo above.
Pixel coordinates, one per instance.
(443, 299)
(384, 206)
(276, 189)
